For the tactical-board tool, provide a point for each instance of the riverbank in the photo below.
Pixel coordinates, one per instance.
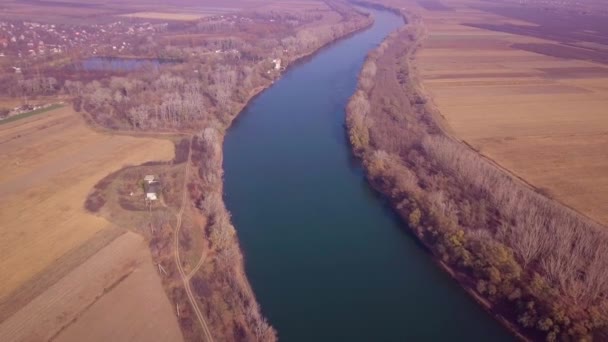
(263, 331)
(468, 212)
(268, 333)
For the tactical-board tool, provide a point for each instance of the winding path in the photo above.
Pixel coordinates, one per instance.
(186, 277)
(200, 263)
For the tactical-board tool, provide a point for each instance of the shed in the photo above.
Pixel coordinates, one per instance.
(152, 190)
(277, 63)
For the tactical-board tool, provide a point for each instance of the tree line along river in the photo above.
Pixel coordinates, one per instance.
(326, 257)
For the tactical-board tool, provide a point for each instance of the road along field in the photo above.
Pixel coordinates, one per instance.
(136, 308)
(541, 115)
(59, 262)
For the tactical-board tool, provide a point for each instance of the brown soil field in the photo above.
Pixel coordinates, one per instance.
(114, 295)
(52, 162)
(534, 105)
(136, 309)
(57, 259)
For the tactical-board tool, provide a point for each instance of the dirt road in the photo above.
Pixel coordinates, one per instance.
(185, 277)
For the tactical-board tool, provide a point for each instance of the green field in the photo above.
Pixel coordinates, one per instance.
(31, 113)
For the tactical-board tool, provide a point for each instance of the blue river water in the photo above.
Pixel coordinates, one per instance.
(326, 257)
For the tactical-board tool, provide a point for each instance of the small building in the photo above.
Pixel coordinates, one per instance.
(152, 191)
(151, 187)
(277, 64)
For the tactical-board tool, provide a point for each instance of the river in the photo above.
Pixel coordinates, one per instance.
(326, 257)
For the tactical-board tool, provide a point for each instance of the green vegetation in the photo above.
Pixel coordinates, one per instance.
(31, 113)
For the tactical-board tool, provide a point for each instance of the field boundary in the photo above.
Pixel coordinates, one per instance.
(31, 113)
(447, 130)
(25, 293)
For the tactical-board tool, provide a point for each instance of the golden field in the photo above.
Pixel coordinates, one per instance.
(541, 116)
(174, 13)
(60, 263)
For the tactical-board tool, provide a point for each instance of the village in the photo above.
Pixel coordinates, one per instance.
(30, 39)
(26, 45)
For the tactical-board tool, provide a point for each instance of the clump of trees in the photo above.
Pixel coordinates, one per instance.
(164, 99)
(314, 37)
(29, 85)
(538, 262)
(358, 121)
(38, 86)
(215, 76)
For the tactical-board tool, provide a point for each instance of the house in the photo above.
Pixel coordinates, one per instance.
(152, 191)
(151, 187)
(277, 64)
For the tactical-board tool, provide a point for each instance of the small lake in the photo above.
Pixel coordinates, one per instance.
(326, 257)
(118, 64)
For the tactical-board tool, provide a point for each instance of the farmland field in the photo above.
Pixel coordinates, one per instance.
(60, 262)
(61, 11)
(140, 310)
(535, 105)
(228, 7)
